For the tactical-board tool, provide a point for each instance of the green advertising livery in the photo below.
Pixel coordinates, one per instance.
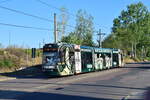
(69, 59)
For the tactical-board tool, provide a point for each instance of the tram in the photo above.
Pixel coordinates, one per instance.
(63, 59)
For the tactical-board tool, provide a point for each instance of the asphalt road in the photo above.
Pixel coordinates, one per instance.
(113, 84)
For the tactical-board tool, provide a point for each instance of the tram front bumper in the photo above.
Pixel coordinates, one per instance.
(50, 70)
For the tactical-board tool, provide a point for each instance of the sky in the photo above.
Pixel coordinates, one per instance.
(103, 11)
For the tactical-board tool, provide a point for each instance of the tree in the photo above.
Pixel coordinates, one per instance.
(84, 28)
(83, 34)
(131, 28)
(64, 17)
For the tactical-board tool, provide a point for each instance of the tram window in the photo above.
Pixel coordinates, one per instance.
(71, 57)
(97, 55)
(115, 58)
(86, 58)
(62, 56)
(103, 56)
(104, 60)
(108, 54)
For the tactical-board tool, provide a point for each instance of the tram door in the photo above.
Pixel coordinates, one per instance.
(67, 57)
(77, 63)
(98, 62)
(120, 59)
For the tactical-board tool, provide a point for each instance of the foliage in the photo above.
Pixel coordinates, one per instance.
(14, 57)
(62, 23)
(83, 33)
(6, 63)
(131, 30)
(19, 52)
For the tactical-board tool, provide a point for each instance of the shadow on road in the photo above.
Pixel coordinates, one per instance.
(89, 85)
(139, 63)
(36, 71)
(139, 67)
(20, 95)
(29, 72)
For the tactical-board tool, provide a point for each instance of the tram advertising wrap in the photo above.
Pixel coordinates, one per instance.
(69, 59)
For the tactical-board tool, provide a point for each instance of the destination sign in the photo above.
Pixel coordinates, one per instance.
(50, 49)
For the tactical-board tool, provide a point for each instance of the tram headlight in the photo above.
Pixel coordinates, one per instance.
(49, 67)
(115, 63)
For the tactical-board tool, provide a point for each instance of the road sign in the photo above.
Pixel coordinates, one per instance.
(33, 52)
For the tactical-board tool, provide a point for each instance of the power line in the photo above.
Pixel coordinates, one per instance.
(31, 15)
(27, 14)
(21, 26)
(48, 5)
(51, 6)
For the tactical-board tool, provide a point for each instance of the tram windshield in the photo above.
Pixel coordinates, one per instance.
(51, 58)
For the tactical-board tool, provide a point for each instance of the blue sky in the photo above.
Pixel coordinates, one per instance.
(103, 11)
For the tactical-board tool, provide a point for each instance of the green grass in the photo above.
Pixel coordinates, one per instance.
(6, 63)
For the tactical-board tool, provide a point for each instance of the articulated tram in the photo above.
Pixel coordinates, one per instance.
(62, 59)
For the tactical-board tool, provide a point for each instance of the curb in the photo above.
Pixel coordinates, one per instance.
(134, 96)
(6, 79)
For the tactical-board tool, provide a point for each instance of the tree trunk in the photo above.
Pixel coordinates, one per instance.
(135, 55)
(132, 52)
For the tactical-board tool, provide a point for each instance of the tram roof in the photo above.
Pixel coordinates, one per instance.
(96, 49)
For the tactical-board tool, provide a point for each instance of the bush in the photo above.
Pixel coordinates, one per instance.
(6, 63)
(10, 57)
(13, 58)
(19, 52)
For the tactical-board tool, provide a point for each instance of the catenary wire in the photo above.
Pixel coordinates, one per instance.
(22, 26)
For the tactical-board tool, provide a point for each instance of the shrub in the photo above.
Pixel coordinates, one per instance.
(19, 52)
(6, 63)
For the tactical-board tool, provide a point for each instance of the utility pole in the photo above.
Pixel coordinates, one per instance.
(43, 41)
(55, 29)
(39, 45)
(9, 38)
(100, 34)
(27, 57)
